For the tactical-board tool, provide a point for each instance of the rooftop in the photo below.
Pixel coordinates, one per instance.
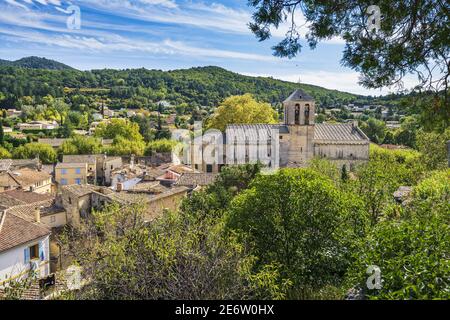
(27, 196)
(254, 132)
(64, 165)
(325, 132)
(197, 179)
(299, 95)
(91, 159)
(16, 229)
(26, 177)
(53, 142)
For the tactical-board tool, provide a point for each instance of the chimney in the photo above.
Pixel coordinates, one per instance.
(37, 214)
(119, 187)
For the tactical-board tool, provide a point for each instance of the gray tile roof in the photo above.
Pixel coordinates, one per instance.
(325, 132)
(5, 164)
(65, 165)
(197, 179)
(254, 132)
(299, 95)
(91, 159)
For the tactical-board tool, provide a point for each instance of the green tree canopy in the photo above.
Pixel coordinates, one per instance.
(374, 129)
(33, 150)
(296, 219)
(5, 154)
(412, 35)
(119, 127)
(160, 146)
(242, 110)
(81, 145)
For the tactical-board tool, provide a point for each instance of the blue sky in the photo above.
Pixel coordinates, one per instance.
(165, 34)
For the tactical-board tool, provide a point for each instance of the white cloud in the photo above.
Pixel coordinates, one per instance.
(15, 3)
(342, 81)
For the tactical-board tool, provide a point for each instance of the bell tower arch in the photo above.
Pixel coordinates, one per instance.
(299, 117)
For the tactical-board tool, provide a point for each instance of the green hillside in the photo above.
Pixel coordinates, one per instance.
(36, 63)
(203, 86)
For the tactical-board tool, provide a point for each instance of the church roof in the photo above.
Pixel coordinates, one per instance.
(253, 131)
(329, 133)
(299, 95)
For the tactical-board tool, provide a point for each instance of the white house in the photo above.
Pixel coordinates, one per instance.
(97, 116)
(24, 245)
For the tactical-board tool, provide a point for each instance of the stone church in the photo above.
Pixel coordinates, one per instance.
(292, 143)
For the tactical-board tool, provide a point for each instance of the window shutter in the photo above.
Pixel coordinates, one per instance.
(26, 254)
(41, 251)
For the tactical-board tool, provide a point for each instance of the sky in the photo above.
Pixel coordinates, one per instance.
(165, 35)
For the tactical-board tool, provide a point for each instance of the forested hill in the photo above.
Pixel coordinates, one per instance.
(203, 86)
(36, 63)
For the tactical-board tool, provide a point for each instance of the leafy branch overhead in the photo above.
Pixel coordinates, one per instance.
(413, 36)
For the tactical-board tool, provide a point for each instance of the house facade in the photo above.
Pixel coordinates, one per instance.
(71, 173)
(24, 246)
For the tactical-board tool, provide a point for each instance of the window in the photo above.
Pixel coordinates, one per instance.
(307, 110)
(297, 114)
(34, 252)
(78, 171)
(78, 181)
(63, 171)
(209, 168)
(64, 182)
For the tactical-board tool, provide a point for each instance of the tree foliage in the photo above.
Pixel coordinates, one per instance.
(242, 110)
(81, 145)
(36, 150)
(302, 229)
(175, 257)
(412, 37)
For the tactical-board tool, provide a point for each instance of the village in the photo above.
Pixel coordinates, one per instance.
(36, 202)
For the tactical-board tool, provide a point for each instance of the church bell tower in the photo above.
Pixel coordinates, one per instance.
(299, 117)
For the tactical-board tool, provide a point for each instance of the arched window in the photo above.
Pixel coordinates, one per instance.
(307, 110)
(297, 114)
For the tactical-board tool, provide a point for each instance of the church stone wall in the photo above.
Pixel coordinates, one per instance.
(342, 151)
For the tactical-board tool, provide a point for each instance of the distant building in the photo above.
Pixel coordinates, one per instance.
(97, 116)
(109, 113)
(393, 124)
(13, 113)
(27, 180)
(54, 143)
(197, 180)
(80, 200)
(131, 113)
(71, 173)
(38, 125)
